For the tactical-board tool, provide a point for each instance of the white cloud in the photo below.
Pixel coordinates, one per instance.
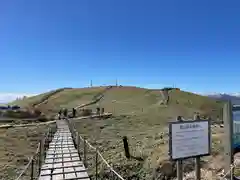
(8, 97)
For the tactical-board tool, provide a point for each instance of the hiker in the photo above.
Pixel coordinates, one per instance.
(59, 114)
(102, 111)
(179, 118)
(196, 116)
(74, 112)
(98, 111)
(65, 113)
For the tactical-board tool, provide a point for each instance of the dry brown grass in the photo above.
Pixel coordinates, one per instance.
(130, 100)
(139, 115)
(146, 142)
(17, 146)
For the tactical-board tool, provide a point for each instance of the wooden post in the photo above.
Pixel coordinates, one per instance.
(84, 151)
(96, 166)
(50, 134)
(126, 147)
(197, 159)
(77, 142)
(228, 134)
(44, 147)
(179, 162)
(32, 168)
(40, 156)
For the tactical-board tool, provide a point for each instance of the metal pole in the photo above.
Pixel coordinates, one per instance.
(198, 168)
(228, 133)
(180, 170)
(197, 159)
(179, 162)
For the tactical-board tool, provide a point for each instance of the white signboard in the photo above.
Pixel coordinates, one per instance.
(189, 139)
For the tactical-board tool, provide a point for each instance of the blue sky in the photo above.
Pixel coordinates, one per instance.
(50, 44)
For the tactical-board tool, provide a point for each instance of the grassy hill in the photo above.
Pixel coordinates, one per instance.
(127, 100)
(138, 114)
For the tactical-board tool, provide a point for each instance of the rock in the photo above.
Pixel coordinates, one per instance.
(164, 169)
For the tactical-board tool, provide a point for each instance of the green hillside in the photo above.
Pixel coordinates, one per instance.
(127, 100)
(138, 114)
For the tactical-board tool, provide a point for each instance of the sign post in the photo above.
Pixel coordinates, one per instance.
(198, 159)
(189, 139)
(179, 162)
(231, 117)
(228, 134)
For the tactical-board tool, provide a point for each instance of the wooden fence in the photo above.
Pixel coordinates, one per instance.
(92, 158)
(32, 170)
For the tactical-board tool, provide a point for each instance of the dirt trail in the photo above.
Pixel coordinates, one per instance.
(95, 98)
(48, 96)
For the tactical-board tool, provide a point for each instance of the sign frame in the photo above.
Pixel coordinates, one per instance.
(188, 122)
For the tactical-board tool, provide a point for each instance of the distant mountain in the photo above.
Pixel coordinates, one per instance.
(234, 98)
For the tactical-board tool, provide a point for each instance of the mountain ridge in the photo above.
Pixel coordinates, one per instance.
(234, 98)
(129, 100)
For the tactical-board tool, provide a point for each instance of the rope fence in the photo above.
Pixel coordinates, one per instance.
(230, 173)
(32, 170)
(92, 157)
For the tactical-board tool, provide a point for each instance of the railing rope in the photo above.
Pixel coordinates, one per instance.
(230, 172)
(25, 168)
(35, 161)
(98, 154)
(29, 163)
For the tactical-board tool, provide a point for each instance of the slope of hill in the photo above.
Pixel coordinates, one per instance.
(138, 114)
(127, 100)
(38, 99)
(226, 97)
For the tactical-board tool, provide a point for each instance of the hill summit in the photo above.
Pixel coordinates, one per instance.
(127, 100)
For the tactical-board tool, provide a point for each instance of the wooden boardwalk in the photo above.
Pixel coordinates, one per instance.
(62, 160)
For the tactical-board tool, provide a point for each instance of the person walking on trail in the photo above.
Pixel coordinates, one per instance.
(98, 111)
(59, 114)
(102, 112)
(65, 113)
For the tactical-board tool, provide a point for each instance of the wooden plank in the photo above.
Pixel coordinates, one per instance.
(62, 160)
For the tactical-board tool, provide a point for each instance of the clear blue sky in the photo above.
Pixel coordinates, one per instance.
(46, 44)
